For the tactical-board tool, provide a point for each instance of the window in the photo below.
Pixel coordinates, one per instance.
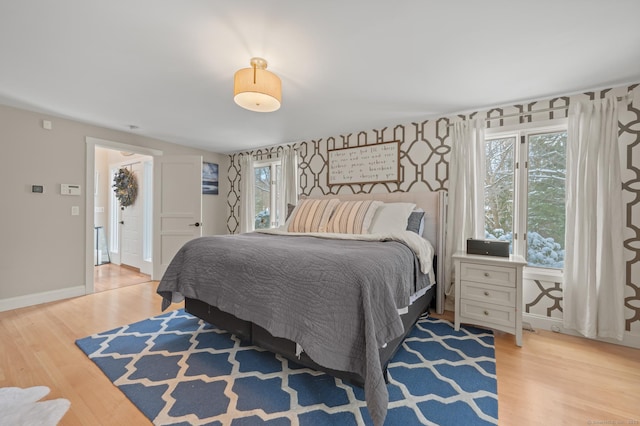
(267, 193)
(524, 192)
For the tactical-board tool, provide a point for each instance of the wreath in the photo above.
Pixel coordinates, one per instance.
(125, 186)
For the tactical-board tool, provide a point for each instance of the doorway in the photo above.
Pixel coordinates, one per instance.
(122, 236)
(123, 229)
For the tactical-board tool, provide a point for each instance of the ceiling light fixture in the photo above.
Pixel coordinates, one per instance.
(257, 89)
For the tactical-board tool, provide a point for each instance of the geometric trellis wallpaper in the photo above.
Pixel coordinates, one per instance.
(543, 298)
(424, 165)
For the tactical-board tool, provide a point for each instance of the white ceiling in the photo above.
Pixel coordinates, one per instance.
(167, 65)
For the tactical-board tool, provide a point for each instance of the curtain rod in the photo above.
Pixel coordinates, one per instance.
(270, 156)
(261, 157)
(626, 97)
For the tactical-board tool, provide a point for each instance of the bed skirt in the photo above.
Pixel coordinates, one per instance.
(254, 334)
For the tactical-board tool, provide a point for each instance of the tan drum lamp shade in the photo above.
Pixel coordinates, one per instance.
(257, 89)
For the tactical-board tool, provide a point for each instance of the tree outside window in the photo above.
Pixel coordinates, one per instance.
(267, 194)
(525, 194)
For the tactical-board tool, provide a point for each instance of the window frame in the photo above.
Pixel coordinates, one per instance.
(521, 190)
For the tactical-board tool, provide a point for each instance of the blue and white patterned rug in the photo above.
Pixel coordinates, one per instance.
(179, 370)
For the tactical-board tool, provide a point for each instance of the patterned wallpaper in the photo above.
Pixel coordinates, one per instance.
(424, 165)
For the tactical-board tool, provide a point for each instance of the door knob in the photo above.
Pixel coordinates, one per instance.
(195, 224)
(122, 222)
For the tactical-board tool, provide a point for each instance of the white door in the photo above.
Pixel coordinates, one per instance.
(177, 206)
(131, 224)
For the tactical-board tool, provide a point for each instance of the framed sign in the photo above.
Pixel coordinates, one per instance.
(365, 164)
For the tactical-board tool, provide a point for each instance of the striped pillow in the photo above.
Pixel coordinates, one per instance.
(311, 215)
(352, 217)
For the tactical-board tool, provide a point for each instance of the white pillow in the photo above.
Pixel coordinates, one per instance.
(391, 217)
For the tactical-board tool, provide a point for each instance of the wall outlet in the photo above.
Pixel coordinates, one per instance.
(75, 210)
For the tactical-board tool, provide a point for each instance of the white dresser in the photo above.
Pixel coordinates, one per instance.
(488, 292)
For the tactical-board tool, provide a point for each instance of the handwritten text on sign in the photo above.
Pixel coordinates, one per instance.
(363, 164)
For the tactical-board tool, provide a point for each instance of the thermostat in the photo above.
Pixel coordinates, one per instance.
(68, 189)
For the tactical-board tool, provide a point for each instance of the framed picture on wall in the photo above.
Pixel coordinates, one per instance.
(209, 178)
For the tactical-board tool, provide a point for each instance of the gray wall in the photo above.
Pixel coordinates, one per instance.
(42, 246)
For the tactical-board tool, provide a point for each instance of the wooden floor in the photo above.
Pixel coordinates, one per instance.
(110, 276)
(556, 379)
(552, 379)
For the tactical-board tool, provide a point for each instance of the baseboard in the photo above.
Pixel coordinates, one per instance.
(147, 267)
(556, 325)
(129, 267)
(38, 298)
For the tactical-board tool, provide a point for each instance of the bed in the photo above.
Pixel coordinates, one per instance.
(294, 290)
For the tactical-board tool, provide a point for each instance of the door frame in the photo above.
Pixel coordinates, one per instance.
(90, 166)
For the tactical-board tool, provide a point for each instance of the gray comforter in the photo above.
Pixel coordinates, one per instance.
(337, 298)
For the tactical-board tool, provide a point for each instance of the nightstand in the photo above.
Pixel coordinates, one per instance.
(488, 292)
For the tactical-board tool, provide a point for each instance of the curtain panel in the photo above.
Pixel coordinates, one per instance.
(594, 281)
(247, 194)
(466, 192)
(289, 187)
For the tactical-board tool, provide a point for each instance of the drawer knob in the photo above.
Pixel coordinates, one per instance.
(486, 293)
(486, 274)
(486, 313)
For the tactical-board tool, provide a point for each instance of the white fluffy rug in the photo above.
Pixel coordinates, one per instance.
(21, 407)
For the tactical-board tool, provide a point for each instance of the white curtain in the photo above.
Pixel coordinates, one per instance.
(593, 289)
(466, 192)
(247, 194)
(288, 182)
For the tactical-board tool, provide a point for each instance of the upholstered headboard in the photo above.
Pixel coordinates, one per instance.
(433, 203)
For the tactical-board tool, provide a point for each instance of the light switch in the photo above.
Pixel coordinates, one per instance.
(75, 210)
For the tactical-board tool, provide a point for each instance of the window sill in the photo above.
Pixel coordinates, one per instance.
(542, 274)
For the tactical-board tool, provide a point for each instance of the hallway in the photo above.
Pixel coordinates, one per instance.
(110, 276)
